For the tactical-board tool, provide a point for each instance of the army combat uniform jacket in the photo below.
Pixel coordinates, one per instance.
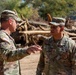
(9, 55)
(57, 57)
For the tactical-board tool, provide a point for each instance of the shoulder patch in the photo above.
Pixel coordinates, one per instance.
(4, 37)
(4, 40)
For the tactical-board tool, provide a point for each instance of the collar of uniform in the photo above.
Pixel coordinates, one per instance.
(61, 42)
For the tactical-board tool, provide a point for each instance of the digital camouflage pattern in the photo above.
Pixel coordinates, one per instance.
(57, 57)
(9, 54)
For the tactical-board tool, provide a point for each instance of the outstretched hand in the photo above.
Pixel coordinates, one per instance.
(33, 49)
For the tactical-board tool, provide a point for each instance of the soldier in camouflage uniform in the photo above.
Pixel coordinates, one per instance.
(9, 55)
(58, 56)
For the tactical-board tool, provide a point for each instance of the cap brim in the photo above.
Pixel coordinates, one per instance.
(56, 24)
(60, 18)
(18, 19)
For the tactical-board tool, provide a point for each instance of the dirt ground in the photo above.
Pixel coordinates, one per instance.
(29, 64)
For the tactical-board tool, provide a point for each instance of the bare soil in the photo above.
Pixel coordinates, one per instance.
(29, 64)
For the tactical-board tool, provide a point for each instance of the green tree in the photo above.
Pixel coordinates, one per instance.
(31, 8)
(55, 7)
(24, 8)
(9, 4)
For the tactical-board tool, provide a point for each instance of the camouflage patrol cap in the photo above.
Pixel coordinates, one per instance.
(9, 13)
(58, 21)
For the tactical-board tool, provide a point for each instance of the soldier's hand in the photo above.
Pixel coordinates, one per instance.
(33, 49)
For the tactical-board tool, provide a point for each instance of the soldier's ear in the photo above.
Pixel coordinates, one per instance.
(10, 21)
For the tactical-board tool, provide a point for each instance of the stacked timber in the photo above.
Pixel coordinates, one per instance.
(70, 28)
(31, 32)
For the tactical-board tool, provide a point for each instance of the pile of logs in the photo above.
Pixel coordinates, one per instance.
(31, 32)
(70, 28)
